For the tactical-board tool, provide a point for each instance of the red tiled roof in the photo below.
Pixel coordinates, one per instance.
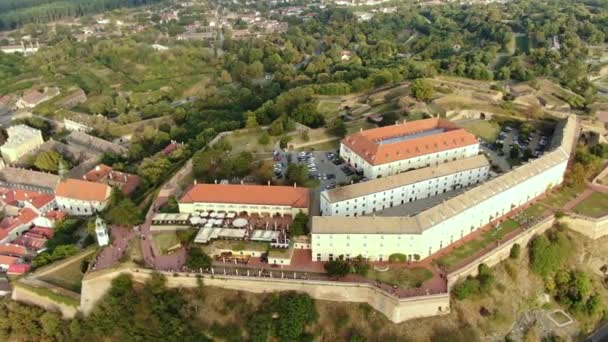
(365, 144)
(31, 241)
(43, 231)
(33, 96)
(55, 214)
(105, 174)
(9, 223)
(37, 199)
(13, 250)
(7, 260)
(247, 194)
(83, 190)
(18, 268)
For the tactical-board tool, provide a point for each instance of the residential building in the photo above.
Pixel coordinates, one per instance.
(431, 230)
(12, 227)
(389, 150)
(378, 194)
(75, 98)
(21, 140)
(17, 178)
(249, 199)
(34, 97)
(81, 197)
(102, 173)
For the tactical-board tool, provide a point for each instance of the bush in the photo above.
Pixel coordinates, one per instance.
(197, 259)
(397, 257)
(515, 251)
(474, 286)
(548, 253)
(337, 268)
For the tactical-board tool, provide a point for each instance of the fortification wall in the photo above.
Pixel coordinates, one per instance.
(396, 309)
(501, 252)
(22, 294)
(593, 228)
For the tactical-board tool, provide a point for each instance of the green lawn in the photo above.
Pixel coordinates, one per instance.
(595, 205)
(356, 126)
(248, 141)
(325, 146)
(459, 254)
(487, 130)
(68, 277)
(328, 108)
(164, 241)
(559, 198)
(401, 276)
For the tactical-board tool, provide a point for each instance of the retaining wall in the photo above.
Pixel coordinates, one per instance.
(593, 228)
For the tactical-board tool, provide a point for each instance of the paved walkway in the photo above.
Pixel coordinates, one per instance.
(120, 239)
(573, 203)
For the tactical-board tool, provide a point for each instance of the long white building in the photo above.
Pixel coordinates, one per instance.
(379, 194)
(376, 238)
(389, 150)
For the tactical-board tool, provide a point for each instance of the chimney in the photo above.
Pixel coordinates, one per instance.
(195, 181)
(268, 183)
(361, 129)
(241, 182)
(295, 185)
(97, 168)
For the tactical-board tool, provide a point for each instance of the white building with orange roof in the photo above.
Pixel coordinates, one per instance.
(249, 199)
(389, 150)
(81, 197)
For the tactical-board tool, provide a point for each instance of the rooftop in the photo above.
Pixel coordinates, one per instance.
(391, 182)
(418, 223)
(407, 140)
(105, 174)
(18, 134)
(83, 190)
(296, 197)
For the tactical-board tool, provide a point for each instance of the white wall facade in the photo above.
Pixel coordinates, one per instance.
(402, 195)
(78, 207)
(378, 247)
(20, 141)
(189, 208)
(382, 170)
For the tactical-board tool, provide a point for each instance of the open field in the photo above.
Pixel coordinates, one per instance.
(164, 241)
(324, 146)
(68, 277)
(329, 107)
(459, 254)
(487, 130)
(248, 141)
(595, 205)
(401, 276)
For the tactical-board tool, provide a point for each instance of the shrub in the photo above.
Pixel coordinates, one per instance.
(397, 257)
(548, 253)
(337, 268)
(515, 251)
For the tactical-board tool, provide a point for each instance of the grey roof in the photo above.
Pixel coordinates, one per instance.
(399, 180)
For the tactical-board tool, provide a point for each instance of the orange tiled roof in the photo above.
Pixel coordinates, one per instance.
(37, 199)
(366, 145)
(7, 260)
(247, 194)
(83, 190)
(13, 250)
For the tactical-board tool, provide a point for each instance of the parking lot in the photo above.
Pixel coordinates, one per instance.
(509, 137)
(324, 166)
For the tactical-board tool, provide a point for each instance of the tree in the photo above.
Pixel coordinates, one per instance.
(50, 323)
(337, 268)
(252, 122)
(50, 161)
(514, 152)
(422, 90)
(338, 128)
(124, 213)
(297, 173)
(299, 226)
(197, 259)
(264, 139)
(153, 170)
(295, 312)
(515, 251)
